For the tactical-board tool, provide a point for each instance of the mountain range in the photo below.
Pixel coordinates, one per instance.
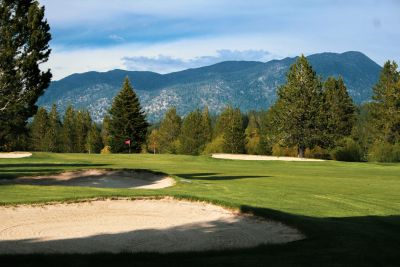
(249, 85)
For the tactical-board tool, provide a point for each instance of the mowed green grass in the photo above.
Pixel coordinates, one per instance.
(350, 212)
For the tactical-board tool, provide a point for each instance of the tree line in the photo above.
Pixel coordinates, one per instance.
(310, 118)
(76, 133)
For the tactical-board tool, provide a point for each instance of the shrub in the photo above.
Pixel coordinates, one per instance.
(280, 151)
(317, 153)
(216, 146)
(347, 150)
(106, 150)
(252, 145)
(384, 152)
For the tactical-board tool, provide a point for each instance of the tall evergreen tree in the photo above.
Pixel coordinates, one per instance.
(53, 138)
(252, 133)
(127, 120)
(83, 123)
(68, 133)
(386, 105)
(25, 35)
(231, 121)
(299, 101)
(192, 137)
(39, 129)
(169, 131)
(206, 124)
(338, 114)
(93, 140)
(105, 130)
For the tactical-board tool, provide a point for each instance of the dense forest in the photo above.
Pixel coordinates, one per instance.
(311, 118)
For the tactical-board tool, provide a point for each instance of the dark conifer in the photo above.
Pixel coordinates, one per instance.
(39, 129)
(68, 133)
(386, 105)
(93, 140)
(192, 137)
(231, 122)
(127, 120)
(299, 100)
(338, 112)
(25, 35)
(169, 131)
(53, 138)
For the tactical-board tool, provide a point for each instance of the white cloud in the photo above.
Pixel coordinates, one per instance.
(116, 37)
(165, 64)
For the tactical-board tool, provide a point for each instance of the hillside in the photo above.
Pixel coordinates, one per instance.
(245, 84)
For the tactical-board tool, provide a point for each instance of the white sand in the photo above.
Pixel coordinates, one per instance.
(258, 157)
(15, 155)
(165, 225)
(99, 178)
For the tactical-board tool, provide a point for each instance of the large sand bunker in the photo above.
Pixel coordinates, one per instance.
(165, 225)
(99, 178)
(15, 155)
(258, 157)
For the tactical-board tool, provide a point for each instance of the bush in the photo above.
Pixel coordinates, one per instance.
(384, 152)
(280, 151)
(317, 153)
(216, 146)
(252, 145)
(347, 150)
(106, 150)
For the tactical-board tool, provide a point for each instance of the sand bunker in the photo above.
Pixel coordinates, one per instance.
(165, 225)
(258, 157)
(15, 155)
(99, 178)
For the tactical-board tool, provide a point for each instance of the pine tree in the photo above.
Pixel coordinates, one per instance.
(68, 131)
(127, 120)
(299, 101)
(206, 124)
(252, 133)
(386, 105)
(105, 131)
(93, 140)
(25, 35)
(53, 138)
(169, 131)
(233, 130)
(338, 114)
(83, 123)
(39, 129)
(192, 137)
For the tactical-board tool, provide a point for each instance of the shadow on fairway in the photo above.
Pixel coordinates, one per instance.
(101, 178)
(216, 177)
(347, 241)
(32, 165)
(12, 171)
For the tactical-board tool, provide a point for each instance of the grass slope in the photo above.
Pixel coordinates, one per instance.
(350, 212)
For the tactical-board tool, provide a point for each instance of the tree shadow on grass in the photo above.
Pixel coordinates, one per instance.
(346, 241)
(100, 178)
(12, 171)
(216, 176)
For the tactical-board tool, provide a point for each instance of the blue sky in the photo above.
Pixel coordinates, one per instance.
(171, 35)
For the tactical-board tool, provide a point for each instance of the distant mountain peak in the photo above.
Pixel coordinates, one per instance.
(246, 84)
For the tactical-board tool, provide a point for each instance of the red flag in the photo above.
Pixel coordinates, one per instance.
(127, 142)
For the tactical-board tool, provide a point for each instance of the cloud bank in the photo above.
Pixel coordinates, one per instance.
(165, 63)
